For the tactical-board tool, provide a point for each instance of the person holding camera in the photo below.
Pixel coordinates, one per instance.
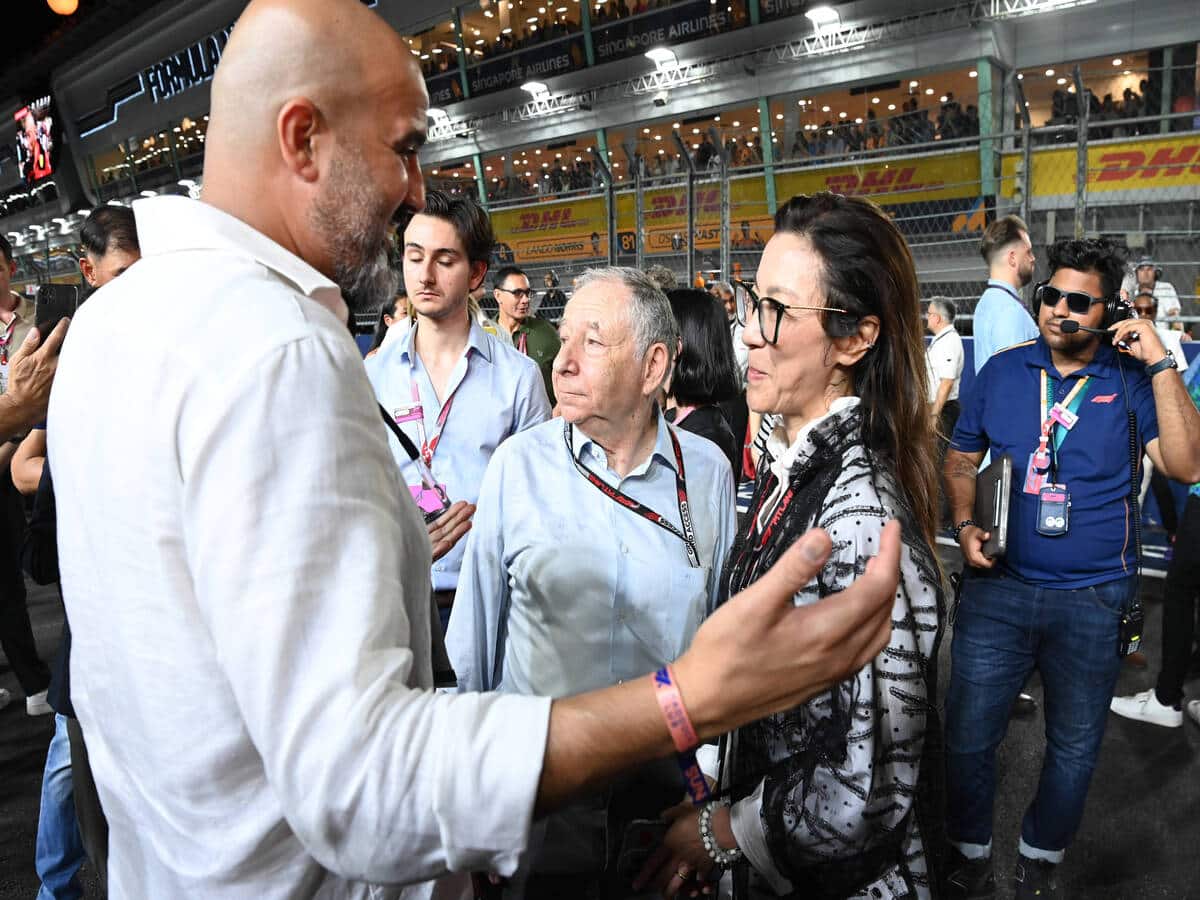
(1075, 409)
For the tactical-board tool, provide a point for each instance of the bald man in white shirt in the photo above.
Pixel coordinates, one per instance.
(248, 583)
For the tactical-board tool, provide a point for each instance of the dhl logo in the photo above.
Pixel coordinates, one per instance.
(1167, 162)
(547, 219)
(665, 205)
(880, 181)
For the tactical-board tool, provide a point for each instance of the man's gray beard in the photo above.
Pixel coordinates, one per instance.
(367, 286)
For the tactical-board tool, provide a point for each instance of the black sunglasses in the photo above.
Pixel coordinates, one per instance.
(1078, 302)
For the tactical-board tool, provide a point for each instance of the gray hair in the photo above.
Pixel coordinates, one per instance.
(650, 313)
(945, 308)
(724, 288)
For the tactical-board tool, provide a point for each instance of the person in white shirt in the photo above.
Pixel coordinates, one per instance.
(943, 362)
(1146, 278)
(251, 662)
(943, 369)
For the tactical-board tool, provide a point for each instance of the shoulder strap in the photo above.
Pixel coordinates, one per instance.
(405, 441)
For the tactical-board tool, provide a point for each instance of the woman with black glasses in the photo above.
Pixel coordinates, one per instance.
(829, 800)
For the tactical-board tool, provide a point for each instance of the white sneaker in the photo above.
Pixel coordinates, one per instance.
(1193, 710)
(1144, 707)
(5, 698)
(36, 705)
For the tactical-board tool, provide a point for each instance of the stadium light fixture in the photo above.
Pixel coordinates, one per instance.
(663, 58)
(823, 17)
(536, 89)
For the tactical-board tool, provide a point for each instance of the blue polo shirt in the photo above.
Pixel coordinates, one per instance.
(1002, 413)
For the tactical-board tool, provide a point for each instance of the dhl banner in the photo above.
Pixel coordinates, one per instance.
(1143, 169)
(946, 176)
(577, 230)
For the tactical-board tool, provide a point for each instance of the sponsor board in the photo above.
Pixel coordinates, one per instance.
(533, 63)
(1146, 168)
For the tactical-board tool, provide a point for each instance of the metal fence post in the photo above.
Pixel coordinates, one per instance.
(689, 244)
(723, 157)
(610, 201)
(1026, 147)
(638, 240)
(1081, 151)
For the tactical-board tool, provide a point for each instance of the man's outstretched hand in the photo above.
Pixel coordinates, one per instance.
(760, 654)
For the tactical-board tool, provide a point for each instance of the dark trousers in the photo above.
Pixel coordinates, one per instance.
(16, 634)
(1179, 607)
(946, 423)
(93, 827)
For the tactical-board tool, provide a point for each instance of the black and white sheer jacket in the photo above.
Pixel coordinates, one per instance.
(831, 799)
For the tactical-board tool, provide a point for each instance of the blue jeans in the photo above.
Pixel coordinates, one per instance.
(1004, 629)
(59, 846)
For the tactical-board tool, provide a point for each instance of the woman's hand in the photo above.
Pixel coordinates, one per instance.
(447, 529)
(681, 867)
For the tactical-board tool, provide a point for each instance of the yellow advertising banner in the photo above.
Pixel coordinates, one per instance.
(564, 230)
(944, 176)
(576, 229)
(1140, 164)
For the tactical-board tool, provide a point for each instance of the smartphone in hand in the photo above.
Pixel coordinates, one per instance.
(53, 303)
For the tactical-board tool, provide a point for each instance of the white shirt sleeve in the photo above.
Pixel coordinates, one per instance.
(745, 818)
(946, 357)
(320, 624)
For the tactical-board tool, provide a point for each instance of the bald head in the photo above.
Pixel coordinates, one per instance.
(317, 112)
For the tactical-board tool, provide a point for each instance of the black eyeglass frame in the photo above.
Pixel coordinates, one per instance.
(528, 292)
(757, 303)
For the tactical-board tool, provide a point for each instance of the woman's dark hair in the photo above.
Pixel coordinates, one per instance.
(109, 228)
(705, 370)
(1096, 255)
(381, 327)
(867, 270)
(469, 219)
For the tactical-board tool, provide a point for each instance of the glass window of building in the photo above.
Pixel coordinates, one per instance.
(561, 168)
(452, 177)
(1120, 87)
(622, 28)
(510, 42)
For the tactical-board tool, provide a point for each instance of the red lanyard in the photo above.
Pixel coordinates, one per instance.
(6, 340)
(428, 447)
(687, 535)
(522, 341)
(756, 546)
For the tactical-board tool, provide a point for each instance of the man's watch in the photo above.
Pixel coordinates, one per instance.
(1167, 362)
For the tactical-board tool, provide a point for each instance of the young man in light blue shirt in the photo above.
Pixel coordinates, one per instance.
(598, 546)
(1001, 319)
(454, 389)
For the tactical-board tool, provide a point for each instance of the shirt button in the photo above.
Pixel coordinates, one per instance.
(439, 568)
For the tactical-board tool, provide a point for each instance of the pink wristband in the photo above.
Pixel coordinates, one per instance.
(673, 710)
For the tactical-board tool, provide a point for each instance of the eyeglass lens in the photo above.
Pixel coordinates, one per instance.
(1077, 301)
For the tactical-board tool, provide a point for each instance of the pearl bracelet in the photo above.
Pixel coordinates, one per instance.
(721, 857)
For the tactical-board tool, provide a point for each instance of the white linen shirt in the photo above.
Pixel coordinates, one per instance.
(248, 590)
(944, 360)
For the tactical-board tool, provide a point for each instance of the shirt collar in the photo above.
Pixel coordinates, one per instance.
(943, 331)
(1101, 364)
(783, 455)
(477, 340)
(589, 452)
(171, 224)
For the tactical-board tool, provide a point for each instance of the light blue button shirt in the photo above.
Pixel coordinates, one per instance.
(1000, 321)
(562, 589)
(497, 392)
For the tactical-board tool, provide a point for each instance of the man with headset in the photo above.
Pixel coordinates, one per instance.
(1103, 391)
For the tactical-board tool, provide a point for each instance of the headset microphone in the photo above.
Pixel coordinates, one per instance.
(1070, 326)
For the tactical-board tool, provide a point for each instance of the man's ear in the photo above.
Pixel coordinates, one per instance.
(655, 368)
(849, 350)
(88, 270)
(300, 128)
(479, 272)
